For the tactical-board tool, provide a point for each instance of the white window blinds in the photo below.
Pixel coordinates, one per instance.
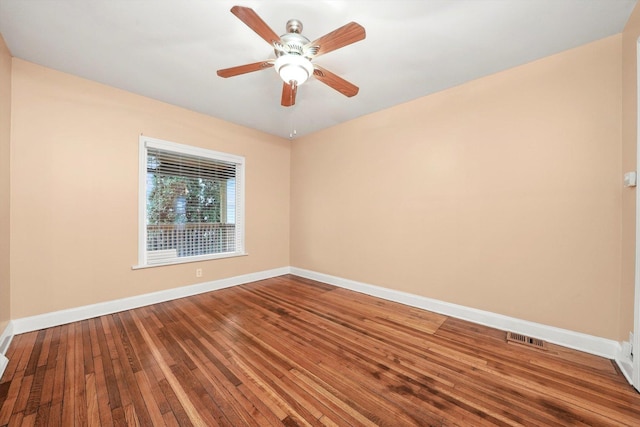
(192, 203)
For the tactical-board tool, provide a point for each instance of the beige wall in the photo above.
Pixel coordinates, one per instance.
(629, 143)
(74, 192)
(5, 134)
(502, 194)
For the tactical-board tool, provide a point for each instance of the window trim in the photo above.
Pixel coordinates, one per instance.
(148, 142)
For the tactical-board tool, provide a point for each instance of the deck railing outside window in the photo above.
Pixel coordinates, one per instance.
(192, 239)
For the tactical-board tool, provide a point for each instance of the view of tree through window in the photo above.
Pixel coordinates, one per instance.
(178, 199)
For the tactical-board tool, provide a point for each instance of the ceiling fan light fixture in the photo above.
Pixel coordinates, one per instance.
(293, 68)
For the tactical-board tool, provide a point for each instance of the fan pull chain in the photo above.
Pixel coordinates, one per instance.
(292, 126)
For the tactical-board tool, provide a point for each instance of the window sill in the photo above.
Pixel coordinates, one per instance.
(187, 260)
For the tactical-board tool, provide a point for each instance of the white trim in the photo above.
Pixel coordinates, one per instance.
(47, 320)
(3, 364)
(624, 361)
(5, 341)
(635, 364)
(142, 201)
(189, 149)
(578, 341)
(186, 260)
(8, 332)
(239, 210)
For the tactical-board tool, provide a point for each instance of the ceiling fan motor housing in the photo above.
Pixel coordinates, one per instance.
(294, 43)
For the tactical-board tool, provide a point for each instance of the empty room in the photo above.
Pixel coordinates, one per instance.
(328, 213)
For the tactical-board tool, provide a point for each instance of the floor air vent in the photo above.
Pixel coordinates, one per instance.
(512, 337)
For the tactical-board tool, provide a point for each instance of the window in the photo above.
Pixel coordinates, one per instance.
(191, 203)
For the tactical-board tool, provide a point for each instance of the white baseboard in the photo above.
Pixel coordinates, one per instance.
(3, 364)
(47, 320)
(5, 339)
(583, 342)
(624, 361)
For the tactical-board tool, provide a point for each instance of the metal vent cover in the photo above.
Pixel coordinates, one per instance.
(513, 337)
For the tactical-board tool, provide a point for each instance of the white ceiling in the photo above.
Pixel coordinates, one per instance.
(170, 50)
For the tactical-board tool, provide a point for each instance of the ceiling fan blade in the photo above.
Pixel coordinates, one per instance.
(289, 91)
(343, 36)
(243, 69)
(253, 21)
(333, 81)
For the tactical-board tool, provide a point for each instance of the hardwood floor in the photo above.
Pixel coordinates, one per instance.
(290, 351)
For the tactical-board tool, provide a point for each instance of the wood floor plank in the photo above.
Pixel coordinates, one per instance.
(43, 417)
(155, 415)
(290, 351)
(27, 343)
(49, 383)
(33, 402)
(68, 392)
(102, 391)
(93, 412)
(32, 363)
(178, 411)
(6, 411)
(48, 340)
(86, 347)
(23, 395)
(16, 420)
(59, 364)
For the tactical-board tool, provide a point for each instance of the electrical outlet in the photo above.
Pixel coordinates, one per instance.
(198, 272)
(630, 179)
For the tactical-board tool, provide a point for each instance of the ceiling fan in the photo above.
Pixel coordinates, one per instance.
(294, 53)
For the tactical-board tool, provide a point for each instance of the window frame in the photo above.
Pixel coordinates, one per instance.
(148, 142)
